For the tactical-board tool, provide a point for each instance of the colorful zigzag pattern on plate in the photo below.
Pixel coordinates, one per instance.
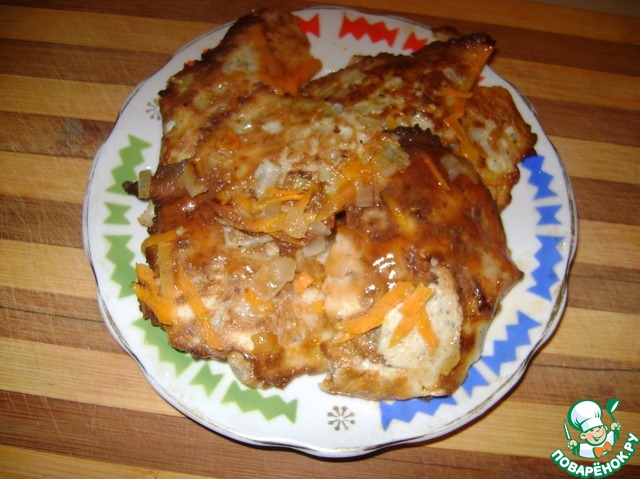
(504, 351)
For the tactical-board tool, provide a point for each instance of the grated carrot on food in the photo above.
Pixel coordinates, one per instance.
(259, 305)
(271, 224)
(306, 198)
(467, 148)
(436, 172)
(165, 311)
(147, 292)
(346, 192)
(157, 238)
(411, 310)
(316, 307)
(405, 221)
(302, 281)
(145, 275)
(199, 309)
(375, 316)
(280, 196)
(425, 329)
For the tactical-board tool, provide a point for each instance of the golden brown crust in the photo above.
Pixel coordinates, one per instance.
(424, 222)
(274, 208)
(493, 123)
(263, 48)
(401, 90)
(435, 90)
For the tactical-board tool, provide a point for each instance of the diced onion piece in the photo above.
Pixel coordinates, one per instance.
(189, 179)
(315, 247)
(385, 166)
(296, 222)
(455, 167)
(272, 277)
(272, 126)
(318, 228)
(392, 160)
(146, 218)
(144, 184)
(265, 176)
(364, 194)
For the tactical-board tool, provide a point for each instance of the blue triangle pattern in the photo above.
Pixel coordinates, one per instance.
(548, 215)
(406, 410)
(504, 350)
(544, 275)
(539, 178)
(474, 379)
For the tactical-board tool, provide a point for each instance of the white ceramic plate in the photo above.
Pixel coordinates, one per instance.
(540, 225)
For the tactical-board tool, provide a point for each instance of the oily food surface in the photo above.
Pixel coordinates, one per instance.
(346, 225)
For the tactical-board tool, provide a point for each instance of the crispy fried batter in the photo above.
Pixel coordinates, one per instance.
(408, 90)
(494, 125)
(435, 90)
(437, 225)
(287, 215)
(263, 48)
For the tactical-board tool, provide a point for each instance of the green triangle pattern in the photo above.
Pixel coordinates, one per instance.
(155, 336)
(120, 255)
(131, 157)
(207, 379)
(246, 399)
(252, 400)
(117, 214)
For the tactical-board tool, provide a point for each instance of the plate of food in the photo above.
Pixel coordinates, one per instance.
(330, 231)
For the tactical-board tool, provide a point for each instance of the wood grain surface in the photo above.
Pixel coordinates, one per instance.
(74, 404)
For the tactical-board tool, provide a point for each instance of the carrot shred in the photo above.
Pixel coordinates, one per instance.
(145, 275)
(199, 309)
(406, 222)
(271, 224)
(259, 305)
(411, 310)
(375, 316)
(316, 307)
(164, 237)
(425, 329)
(345, 193)
(436, 172)
(306, 198)
(280, 197)
(164, 310)
(467, 149)
(302, 281)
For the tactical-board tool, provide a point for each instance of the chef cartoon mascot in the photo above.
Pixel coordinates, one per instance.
(586, 417)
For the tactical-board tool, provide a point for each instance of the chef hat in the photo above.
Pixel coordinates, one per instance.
(585, 415)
